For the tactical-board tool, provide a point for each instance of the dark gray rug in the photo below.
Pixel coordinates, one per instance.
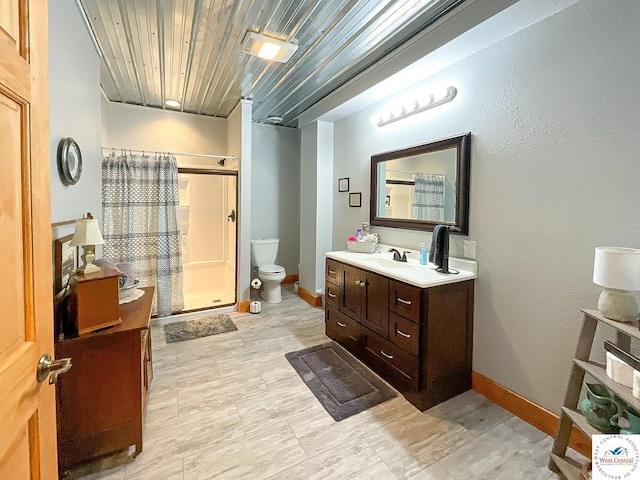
(341, 383)
(198, 327)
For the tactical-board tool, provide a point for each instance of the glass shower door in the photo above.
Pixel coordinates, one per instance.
(208, 229)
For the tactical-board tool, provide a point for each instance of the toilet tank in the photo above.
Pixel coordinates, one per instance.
(264, 252)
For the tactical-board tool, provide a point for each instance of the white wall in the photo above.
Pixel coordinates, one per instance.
(316, 199)
(553, 112)
(275, 191)
(144, 128)
(239, 145)
(74, 111)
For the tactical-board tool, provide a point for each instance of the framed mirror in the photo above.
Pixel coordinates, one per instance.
(423, 186)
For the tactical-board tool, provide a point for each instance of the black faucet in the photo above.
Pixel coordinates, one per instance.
(397, 257)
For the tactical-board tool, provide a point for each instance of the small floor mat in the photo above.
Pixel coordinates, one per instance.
(341, 383)
(198, 327)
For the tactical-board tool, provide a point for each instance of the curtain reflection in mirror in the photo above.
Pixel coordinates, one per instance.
(428, 197)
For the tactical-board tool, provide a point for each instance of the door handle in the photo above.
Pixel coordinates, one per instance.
(47, 367)
(402, 300)
(406, 335)
(332, 295)
(232, 216)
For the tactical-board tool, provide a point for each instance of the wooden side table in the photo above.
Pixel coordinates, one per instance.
(101, 402)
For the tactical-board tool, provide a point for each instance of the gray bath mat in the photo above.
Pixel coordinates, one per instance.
(341, 383)
(198, 327)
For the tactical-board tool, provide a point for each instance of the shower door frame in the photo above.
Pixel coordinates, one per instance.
(227, 173)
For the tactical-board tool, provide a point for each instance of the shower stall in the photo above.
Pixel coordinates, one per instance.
(208, 214)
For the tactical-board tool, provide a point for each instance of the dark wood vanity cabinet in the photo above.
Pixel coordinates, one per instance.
(418, 339)
(365, 298)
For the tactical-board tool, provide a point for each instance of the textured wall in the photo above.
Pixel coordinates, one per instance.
(135, 127)
(554, 173)
(74, 111)
(275, 196)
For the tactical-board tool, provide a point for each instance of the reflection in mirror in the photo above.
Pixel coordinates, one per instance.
(422, 186)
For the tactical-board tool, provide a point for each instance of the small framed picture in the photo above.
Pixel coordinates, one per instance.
(355, 199)
(65, 262)
(343, 184)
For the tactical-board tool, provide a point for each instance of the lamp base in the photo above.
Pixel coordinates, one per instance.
(88, 257)
(619, 305)
(89, 268)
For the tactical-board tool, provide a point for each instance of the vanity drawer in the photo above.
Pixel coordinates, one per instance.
(402, 370)
(405, 300)
(342, 329)
(332, 294)
(332, 271)
(404, 333)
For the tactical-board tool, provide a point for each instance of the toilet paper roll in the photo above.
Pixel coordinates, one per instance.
(636, 383)
(255, 307)
(619, 371)
(256, 283)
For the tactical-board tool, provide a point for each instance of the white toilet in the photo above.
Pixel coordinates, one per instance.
(263, 256)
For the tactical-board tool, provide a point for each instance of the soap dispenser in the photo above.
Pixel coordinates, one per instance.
(423, 254)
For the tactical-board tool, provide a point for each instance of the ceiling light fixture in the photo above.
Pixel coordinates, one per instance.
(172, 103)
(429, 101)
(267, 48)
(275, 120)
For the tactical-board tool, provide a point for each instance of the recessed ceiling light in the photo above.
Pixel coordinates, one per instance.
(172, 103)
(267, 48)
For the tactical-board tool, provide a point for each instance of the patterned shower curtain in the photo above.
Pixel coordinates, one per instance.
(140, 212)
(428, 197)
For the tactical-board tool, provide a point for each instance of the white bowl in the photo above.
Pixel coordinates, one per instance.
(125, 292)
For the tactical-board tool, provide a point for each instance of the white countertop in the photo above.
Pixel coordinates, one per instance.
(411, 272)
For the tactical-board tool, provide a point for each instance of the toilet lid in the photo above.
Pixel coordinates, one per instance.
(271, 269)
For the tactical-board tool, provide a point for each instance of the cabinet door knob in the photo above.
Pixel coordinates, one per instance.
(386, 354)
(400, 332)
(402, 300)
(342, 324)
(47, 367)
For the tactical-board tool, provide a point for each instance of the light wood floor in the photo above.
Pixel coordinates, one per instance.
(231, 406)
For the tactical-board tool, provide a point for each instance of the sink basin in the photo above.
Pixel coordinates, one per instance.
(423, 276)
(385, 263)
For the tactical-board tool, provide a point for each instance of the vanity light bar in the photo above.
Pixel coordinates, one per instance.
(432, 100)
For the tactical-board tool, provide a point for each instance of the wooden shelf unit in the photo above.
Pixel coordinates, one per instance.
(570, 415)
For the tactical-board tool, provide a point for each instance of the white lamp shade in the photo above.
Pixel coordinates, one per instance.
(617, 267)
(87, 233)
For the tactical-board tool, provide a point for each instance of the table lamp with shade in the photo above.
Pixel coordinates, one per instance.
(617, 270)
(87, 235)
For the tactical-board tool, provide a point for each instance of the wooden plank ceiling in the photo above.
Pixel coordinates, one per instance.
(191, 50)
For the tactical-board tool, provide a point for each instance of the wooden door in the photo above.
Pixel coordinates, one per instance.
(27, 408)
(375, 314)
(352, 291)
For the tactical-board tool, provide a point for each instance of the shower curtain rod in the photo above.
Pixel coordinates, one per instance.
(414, 173)
(205, 155)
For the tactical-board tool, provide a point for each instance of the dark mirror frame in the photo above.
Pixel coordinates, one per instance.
(461, 225)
